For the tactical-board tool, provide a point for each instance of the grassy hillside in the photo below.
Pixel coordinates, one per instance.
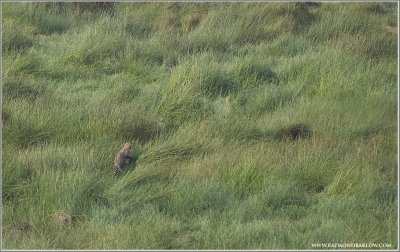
(209, 93)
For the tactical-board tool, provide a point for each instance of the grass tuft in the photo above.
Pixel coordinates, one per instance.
(254, 125)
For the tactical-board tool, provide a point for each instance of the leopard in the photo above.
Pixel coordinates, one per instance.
(121, 157)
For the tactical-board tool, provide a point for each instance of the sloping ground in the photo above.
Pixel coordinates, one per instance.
(213, 95)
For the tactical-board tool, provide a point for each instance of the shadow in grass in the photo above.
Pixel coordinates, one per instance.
(16, 228)
(302, 16)
(24, 135)
(5, 116)
(294, 132)
(242, 133)
(141, 131)
(15, 40)
(16, 88)
(258, 70)
(81, 7)
(218, 84)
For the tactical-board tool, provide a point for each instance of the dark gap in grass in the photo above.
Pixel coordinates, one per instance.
(257, 70)
(49, 18)
(376, 8)
(302, 17)
(141, 130)
(386, 194)
(5, 115)
(311, 183)
(219, 85)
(243, 132)
(126, 94)
(294, 132)
(17, 88)
(80, 7)
(13, 188)
(312, 4)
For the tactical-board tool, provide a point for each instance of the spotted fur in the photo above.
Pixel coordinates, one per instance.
(121, 157)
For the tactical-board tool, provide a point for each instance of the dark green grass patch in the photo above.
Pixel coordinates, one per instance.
(14, 39)
(254, 125)
(20, 88)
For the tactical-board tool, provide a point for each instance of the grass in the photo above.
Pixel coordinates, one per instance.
(212, 94)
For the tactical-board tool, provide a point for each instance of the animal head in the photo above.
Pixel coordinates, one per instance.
(127, 146)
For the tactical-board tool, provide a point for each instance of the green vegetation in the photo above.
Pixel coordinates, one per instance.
(210, 93)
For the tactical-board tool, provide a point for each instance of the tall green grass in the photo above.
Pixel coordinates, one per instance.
(208, 92)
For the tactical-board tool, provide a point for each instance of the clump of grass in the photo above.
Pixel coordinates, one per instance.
(332, 26)
(15, 89)
(219, 99)
(24, 134)
(374, 48)
(14, 39)
(173, 152)
(289, 45)
(48, 21)
(250, 72)
(376, 8)
(184, 109)
(217, 84)
(97, 7)
(259, 27)
(62, 71)
(204, 77)
(264, 99)
(138, 28)
(346, 182)
(30, 63)
(193, 85)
